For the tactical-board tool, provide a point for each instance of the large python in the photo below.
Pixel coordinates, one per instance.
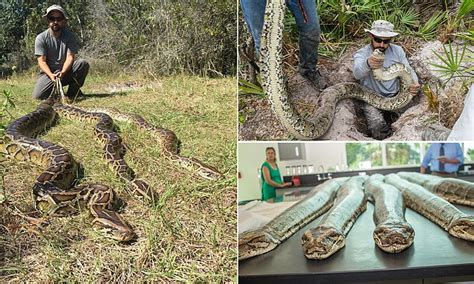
(167, 139)
(438, 210)
(261, 241)
(452, 189)
(274, 85)
(330, 234)
(392, 233)
(113, 148)
(54, 193)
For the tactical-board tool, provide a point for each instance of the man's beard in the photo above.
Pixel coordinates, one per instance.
(379, 48)
(55, 28)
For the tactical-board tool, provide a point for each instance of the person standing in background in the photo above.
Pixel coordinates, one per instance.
(444, 159)
(271, 177)
(307, 21)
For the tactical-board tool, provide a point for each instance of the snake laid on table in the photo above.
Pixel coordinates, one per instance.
(54, 191)
(330, 235)
(274, 83)
(261, 241)
(392, 233)
(433, 207)
(452, 189)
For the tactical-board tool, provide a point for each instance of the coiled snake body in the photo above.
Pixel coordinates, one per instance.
(274, 85)
(167, 139)
(54, 193)
(113, 147)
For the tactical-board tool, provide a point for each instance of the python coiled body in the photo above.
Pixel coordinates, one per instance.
(392, 233)
(438, 210)
(274, 84)
(330, 234)
(113, 148)
(54, 192)
(451, 189)
(261, 241)
(167, 139)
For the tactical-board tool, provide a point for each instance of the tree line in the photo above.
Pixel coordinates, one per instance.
(159, 37)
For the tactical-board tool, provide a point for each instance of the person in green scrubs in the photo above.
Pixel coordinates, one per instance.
(271, 177)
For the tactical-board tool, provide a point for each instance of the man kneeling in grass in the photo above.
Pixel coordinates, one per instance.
(381, 33)
(56, 50)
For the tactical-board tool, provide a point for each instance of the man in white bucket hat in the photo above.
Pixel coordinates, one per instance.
(381, 33)
(56, 50)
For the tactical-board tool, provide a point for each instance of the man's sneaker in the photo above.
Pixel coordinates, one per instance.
(316, 79)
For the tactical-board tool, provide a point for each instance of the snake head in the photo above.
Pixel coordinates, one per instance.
(112, 224)
(141, 188)
(378, 53)
(322, 241)
(210, 173)
(463, 228)
(394, 237)
(254, 243)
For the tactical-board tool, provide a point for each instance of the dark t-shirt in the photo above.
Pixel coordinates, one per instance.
(55, 49)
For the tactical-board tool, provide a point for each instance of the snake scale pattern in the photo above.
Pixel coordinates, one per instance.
(452, 189)
(55, 193)
(438, 210)
(330, 235)
(389, 194)
(168, 141)
(274, 85)
(261, 241)
(392, 233)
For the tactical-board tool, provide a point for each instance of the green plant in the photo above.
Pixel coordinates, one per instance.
(469, 35)
(453, 63)
(247, 88)
(428, 30)
(466, 7)
(6, 105)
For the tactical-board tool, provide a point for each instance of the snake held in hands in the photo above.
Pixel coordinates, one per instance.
(263, 240)
(274, 85)
(392, 233)
(330, 234)
(433, 207)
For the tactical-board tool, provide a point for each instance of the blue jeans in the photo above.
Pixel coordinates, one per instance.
(307, 21)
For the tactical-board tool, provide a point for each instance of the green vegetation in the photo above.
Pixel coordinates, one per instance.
(189, 236)
(403, 154)
(453, 62)
(360, 152)
(5, 114)
(343, 22)
(247, 88)
(155, 37)
(470, 155)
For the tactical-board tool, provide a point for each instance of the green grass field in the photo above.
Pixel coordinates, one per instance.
(189, 236)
